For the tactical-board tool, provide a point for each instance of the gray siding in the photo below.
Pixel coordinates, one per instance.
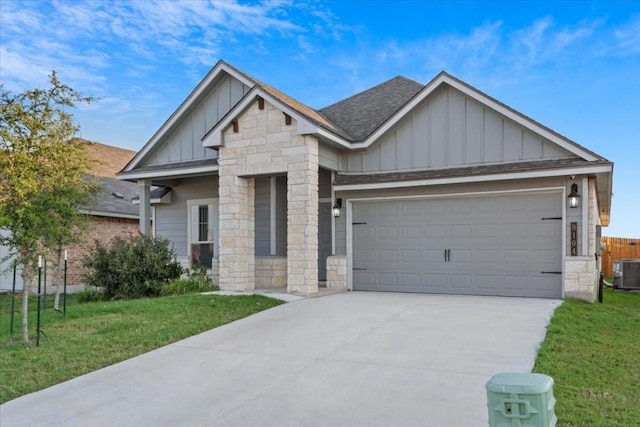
(263, 216)
(184, 142)
(328, 157)
(171, 220)
(281, 216)
(450, 130)
(324, 183)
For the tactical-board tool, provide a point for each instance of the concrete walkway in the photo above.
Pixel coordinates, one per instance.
(350, 359)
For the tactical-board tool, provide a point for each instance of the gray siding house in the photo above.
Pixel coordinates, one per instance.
(405, 187)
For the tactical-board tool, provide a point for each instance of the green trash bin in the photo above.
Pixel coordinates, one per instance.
(521, 400)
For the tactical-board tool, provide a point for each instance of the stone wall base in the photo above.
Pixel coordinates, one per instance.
(337, 272)
(271, 272)
(581, 278)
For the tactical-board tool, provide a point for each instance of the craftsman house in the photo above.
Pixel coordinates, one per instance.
(434, 188)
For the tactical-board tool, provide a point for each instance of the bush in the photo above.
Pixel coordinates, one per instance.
(132, 268)
(89, 294)
(195, 282)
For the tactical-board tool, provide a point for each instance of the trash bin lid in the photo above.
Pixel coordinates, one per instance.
(520, 382)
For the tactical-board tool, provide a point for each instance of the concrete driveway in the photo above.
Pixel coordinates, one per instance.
(351, 359)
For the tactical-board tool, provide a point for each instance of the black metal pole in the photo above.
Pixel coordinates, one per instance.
(44, 297)
(13, 297)
(64, 295)
(38, 318)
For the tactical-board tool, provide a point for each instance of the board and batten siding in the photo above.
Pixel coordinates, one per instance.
(263, 216)
(171, 220)
(450, 129)
(184, 143)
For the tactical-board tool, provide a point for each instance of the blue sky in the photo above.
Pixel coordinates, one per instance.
(573, 66)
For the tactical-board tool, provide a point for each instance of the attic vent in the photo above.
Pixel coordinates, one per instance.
(117, 195)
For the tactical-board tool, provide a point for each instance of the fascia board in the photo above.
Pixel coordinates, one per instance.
(124, 176)
(477, 178)
(187, 105)
(107, 214)
(482, 99)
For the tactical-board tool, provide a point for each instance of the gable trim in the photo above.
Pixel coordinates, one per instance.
(444, 78)
(214, 137)
(187, 104)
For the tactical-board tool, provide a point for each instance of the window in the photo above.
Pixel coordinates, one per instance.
(202, 231)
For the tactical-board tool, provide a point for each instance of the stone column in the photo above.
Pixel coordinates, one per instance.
(302, 217)
(236, 230)
(145, 206)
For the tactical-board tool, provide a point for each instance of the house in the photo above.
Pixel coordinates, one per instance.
(435, 188)
(111, 214)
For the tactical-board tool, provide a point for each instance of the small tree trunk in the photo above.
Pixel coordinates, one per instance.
(56, 300)
(25, 303)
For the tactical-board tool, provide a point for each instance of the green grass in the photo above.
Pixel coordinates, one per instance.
(592, 351)
(95, 335)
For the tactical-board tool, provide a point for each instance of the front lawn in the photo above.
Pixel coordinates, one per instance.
(592, 351)
(95, 335)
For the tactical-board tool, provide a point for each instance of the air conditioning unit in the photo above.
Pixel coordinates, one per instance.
(626, 274)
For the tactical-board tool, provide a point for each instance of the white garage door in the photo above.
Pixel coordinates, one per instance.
(507, 245)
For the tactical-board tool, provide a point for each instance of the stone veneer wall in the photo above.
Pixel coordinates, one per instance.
(265, 145)
(271, 272)
(337, 272)
(581, 273)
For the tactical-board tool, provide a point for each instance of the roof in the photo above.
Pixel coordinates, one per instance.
(107, 159)
(361, 114)
(108, 201)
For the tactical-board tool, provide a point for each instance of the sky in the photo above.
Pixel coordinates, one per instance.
(573, 66)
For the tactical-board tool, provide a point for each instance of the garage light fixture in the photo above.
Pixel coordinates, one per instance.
(337, 208)
(574, 197)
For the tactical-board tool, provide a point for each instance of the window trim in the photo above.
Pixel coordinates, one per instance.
(213, 220)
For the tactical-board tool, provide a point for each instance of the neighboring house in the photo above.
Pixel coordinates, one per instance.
(111, 214)
(439, 189)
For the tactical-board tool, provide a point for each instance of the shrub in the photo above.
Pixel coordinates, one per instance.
(196, 281)
(89, 294)
(131, 268)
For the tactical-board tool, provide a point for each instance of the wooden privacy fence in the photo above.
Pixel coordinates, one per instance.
(618, 248)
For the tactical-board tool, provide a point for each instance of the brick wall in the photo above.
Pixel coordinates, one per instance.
(102, 229)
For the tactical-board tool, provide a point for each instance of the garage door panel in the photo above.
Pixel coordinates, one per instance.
(388, 255)
(388, 232)
(435, 231)
(499, 245)
(410, 256)
(488, 256)
(411, 231)
(435, 281)
(487, 282)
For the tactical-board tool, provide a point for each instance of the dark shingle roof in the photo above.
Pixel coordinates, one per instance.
(363, 113)
(106, 201)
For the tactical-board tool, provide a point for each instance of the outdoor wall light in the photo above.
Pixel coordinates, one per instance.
(574, 197)
(337, 208)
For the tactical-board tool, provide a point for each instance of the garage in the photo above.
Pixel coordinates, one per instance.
(492, 244)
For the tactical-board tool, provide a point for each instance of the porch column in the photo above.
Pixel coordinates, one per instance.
(145, 206)
(236, 230)
(302, 218)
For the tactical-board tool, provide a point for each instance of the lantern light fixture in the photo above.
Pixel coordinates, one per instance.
(337, 208)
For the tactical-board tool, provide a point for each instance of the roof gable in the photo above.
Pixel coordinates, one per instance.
(178, 139)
